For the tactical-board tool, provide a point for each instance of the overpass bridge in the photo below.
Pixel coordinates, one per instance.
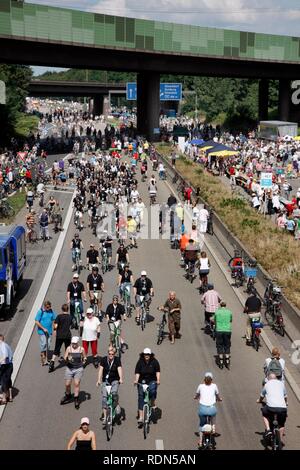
(44, 35)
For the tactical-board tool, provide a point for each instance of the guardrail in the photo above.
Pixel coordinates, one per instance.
(289, 309)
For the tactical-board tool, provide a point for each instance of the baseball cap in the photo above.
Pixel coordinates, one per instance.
(85, 421)
(75, 339)
(90, 310)
(147, 351)
(92, 244)
(143, 273)
(76, 275)
(208, 374)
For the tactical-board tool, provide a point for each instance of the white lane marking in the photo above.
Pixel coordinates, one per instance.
(66, 191)
(50, 169)
(29, 326)
(266, 339)
(159, 444)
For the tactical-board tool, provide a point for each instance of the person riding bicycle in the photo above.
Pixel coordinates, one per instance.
(110, 373)
(125, 278)
(191, 254)
(143, 286)
(76, 244)
(75, 293)
(236, 264)
(274, 394)
(204, 267)
(106, 242)
(208, 394)
(210, 300)
(252, 309)
(44, 224)
(92, 257)
(115, 312)
(274, 365)
(173, 306)
(152, 189)
(223, 325)
(29, 199)
(147, 371)
(95, 287)
(122, 257)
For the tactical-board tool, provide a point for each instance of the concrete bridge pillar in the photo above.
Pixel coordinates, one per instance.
(263, 99)
(148, 104)
(284, 99)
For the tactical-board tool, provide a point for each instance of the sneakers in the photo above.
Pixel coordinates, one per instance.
(118, 410)
(140, 423)
(137, 320)
(66, 399)
(51, 366)
(76, 403)
(95, 362)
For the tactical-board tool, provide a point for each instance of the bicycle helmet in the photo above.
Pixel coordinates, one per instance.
(95, 268)
(276, 290)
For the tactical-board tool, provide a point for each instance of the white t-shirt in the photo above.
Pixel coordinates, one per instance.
(203, 215)
(207, 394)
(274, 391)
(90, 329)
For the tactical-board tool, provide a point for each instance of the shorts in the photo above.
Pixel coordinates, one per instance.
(138, 299)
(43, 342)
(75, 374)
(97, 294)
(268, 413)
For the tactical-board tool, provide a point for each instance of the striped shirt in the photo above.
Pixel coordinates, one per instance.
(211, 301)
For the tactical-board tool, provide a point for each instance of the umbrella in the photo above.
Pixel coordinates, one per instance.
(210, 143)
(206, 148)
(197, 141)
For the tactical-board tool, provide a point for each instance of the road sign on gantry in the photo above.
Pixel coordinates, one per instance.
(170, 91)
(131, 91)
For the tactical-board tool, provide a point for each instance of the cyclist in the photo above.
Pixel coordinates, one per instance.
(191, 255)
(122, 256)
(29, 199)
(75, 359)
(115, 312)
(223, 324)
(173, 306)
(92, 257)
(275, 397)
(208, 394)
(152, 190)
(143, 286)
(274, 365)
(147, 371)
(84, 438)
(110, 373)
(44, 224)
(236, 264)
(210, 300)
(106, 242)
(204, 267)
(95, 287)
(75, 292)
(252, 308)
(76, 244)
(134, 195)
(90, 334)
(125, 278)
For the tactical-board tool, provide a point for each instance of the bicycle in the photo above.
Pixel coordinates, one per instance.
(147, 409)
(77, 315)
(250, 273)
(43, 230)
(5, 208)
(126, 296)
(208, 438)
(256, 327)
(104, 260)
(110, 413)
(32, 235)
(210, 225)
(273, 440)
(160, 329)
(94, 304)
(272, 301)
(190, 271)
(116, 343)
(77, 260)
(144, 312)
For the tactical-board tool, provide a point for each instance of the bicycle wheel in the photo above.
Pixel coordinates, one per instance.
(10, 211)
(255, 342)
(143, 319)
(33, 236)
(160, 335)
(280, 329)
(108, 423)
(145, 421)
(277, 444)
(117, 345)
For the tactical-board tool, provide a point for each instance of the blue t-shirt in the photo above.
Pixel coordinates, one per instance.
(290, 224)
(45, 318)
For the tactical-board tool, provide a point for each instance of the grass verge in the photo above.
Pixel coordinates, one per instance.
(276, 251)
(17, 202)
(26, 124)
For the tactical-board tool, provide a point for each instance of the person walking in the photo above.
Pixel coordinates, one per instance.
(75, 359)
(44, 321)
(91, 334)
(6, 370)
(173, 306)
(62, 327)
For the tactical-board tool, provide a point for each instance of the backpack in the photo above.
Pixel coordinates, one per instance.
(275, 368)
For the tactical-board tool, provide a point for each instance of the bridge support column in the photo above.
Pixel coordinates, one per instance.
(98, 105)
(284, 99)
(148, 104)
(91, 105)
(263, 99)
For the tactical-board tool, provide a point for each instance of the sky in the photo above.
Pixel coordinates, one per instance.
(263, 16)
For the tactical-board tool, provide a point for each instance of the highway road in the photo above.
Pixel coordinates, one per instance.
(36, 420)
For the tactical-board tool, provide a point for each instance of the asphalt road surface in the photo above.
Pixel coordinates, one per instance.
(36, 420)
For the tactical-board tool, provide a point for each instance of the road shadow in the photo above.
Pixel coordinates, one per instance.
(8, 314)
(84, 396)
(15, 392)
(156, 415)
